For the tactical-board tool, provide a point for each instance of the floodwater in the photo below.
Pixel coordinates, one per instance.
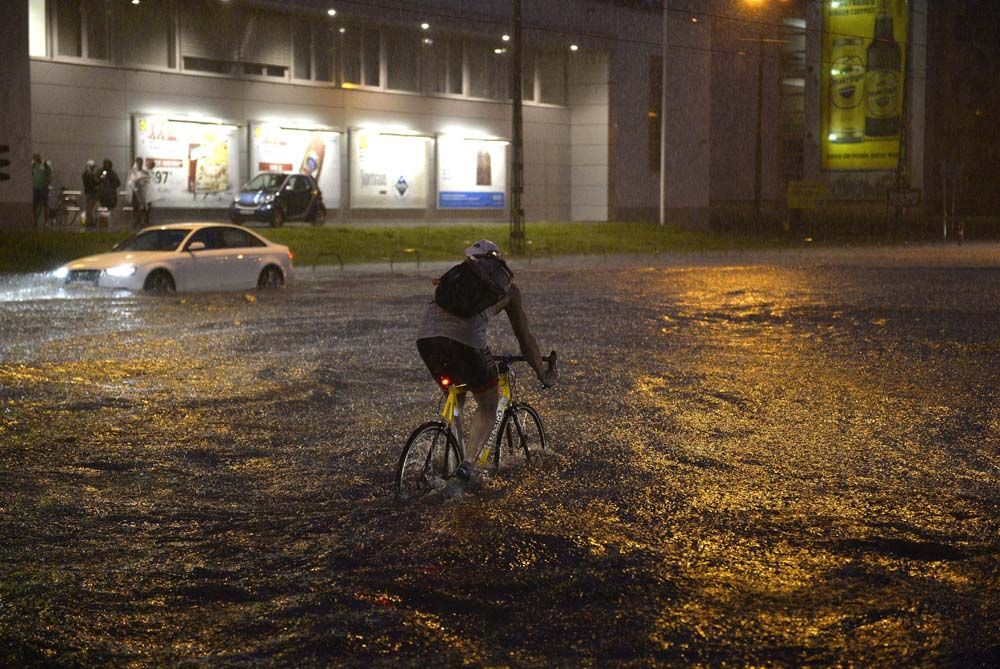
(760, 459)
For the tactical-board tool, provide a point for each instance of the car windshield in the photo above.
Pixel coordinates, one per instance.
(265, 181)
(154, 240)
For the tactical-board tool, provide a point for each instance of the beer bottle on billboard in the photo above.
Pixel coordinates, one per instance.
(847, 91)
(884, 81)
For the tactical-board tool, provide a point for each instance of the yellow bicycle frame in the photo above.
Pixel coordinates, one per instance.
(452, 410)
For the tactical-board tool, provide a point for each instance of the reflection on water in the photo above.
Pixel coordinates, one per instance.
(755, 465)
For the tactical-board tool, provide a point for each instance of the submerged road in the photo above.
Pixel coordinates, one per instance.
(762, 458)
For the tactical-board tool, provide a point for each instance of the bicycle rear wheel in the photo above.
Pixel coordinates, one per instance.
(521, 438)
(429, 458)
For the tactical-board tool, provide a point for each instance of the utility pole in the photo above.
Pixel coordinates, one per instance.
(758, 156)
(663, 117)
(517, 141)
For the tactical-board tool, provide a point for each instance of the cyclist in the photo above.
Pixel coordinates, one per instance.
(455, 350)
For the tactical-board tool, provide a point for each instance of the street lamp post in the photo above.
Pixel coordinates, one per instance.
(758, 158)
(663, 117)
(517, 141)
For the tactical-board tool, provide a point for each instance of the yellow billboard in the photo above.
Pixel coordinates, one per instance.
(864, 45)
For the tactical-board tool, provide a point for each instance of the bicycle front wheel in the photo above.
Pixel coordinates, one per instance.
(428, 460)
(521, 438)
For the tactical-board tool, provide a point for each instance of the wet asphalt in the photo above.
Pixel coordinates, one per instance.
(783, 458)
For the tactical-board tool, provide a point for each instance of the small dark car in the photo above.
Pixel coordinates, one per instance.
(276, 197)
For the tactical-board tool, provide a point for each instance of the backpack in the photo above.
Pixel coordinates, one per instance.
(473, 285)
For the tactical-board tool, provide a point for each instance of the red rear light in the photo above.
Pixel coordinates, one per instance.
(290, 255)
(445, 381)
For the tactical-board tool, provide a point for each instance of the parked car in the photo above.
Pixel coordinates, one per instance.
(185, 257)
(276, 197)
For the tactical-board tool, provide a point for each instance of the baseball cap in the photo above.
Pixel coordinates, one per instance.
(483, 247)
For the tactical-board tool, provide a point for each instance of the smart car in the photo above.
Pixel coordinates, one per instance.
(276, 197)
(185, 257)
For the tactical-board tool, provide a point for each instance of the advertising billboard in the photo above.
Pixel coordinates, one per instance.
(388, 171)
(275, 148)
(471, 173)
(864, 44)
(196, 164)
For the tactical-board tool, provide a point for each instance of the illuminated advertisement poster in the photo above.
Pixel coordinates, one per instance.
(274, 148)
(862, 103)
(195, 164)
(388, 171)
(472, 173)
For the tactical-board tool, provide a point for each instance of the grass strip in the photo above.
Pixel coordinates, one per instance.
(42, 250)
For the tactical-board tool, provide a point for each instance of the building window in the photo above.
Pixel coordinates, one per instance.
(552, 78)
(37, 29)
(96, 17)
(81, 28)
(527, 74)
(302, 49)
(145, 33)
(351, 55)
(402, 56)
(326, 39)
(488, 71)
(371, 61)
(217, 40)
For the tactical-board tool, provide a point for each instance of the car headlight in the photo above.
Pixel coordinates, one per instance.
(269, 198)
(120, 271)
(61, 273)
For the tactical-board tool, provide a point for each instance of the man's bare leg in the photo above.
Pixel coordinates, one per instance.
(482, 421)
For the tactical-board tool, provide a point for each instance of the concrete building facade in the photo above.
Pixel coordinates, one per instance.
(742, 110)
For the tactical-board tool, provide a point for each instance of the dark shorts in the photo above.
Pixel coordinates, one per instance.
(460, 364)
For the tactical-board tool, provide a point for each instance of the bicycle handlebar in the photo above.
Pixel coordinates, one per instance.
(550, 359)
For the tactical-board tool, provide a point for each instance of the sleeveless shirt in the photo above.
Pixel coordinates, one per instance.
(470, 331)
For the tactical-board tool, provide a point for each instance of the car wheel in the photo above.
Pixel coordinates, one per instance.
(159, 282)
(235, 220)
(270, 277)
(277, 217)
(319, 215)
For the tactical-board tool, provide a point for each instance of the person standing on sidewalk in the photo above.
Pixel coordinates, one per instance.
(149, 193)
(89, 179)
(107, 188)
(137, 183)
(41, 177)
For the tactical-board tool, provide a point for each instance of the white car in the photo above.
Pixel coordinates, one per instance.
(186, 257)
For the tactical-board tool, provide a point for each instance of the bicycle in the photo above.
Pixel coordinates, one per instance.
(434, 450)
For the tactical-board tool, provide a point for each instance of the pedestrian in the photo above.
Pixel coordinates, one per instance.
(107, 188)
(89, 178)
(150, 193)
(41, 177)
(137, 184)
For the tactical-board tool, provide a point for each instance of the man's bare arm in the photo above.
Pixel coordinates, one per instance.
(514, 307)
